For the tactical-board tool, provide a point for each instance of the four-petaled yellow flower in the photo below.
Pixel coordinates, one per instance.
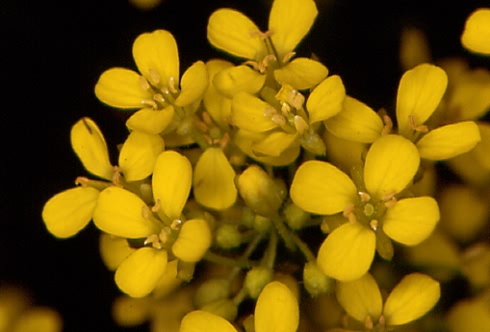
(369, 202)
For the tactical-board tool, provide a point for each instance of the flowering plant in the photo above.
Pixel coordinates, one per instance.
(258, 181)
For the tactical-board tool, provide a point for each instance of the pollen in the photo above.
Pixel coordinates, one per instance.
(373, 224)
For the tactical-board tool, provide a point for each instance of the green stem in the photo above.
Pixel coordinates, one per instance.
(222, 260)
(303, 247)
(284, 233)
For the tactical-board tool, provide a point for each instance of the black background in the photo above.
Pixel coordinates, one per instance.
(53, 53)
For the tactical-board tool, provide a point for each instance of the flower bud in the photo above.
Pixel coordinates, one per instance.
(222, 307)
(210, 291)
(295, 216)
(228, 236)
(256, 279)
(315, 281)
(259, 191)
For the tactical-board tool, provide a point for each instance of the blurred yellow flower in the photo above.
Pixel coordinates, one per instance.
(476, 33)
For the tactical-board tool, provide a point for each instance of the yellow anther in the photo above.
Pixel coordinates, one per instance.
(157, 206)
(349, 213)
(388, 125)
(300, 124)
(175, 225)
(145, 212)
(158, 98)
(365, 197)
(285, 109)
(149, 103)
(145, 86)
(368, 323)
(82, 180)
(391, 202)
(154, 241)
(414, 126)
(265, 62)
(172, 86)
(374, 226)
(163, 236)
(287, 57)
(153, 76)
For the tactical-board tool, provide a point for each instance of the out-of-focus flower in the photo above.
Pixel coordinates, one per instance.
(476, 33)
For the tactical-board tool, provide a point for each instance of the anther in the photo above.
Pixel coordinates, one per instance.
(300, 124)
(288, 56)
(145, 86)
(158, 98)
(145, 212)
(388, 125)
(82, 180)
(175, 225)
(149, 103)
(157, 206)
(365, 197)
(373, 224)
(419, 128)
(368, 323)
(172, 86)
(154, 76)
(349, 213)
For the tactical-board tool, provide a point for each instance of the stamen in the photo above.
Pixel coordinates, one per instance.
(388, 125)
(154, 76)
(300, 124)
(145, 212)
(157, 206)
(82, 180)
(116, 176)
(158, 98)
(153, 239)
(172, 86)
(225, 140)
(285, 108)
(365, 197)
(149, 103)
(175, 225)
(163, 236)
(368, 323)
(349, 213)
(287, 57)
(419, 128)
(391, 203)
(145, 86)
(373, 224)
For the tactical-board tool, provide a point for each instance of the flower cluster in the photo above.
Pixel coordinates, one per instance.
(259, 180)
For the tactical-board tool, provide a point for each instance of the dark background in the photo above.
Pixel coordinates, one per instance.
(53, 53)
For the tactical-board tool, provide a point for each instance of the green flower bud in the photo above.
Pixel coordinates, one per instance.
(223, 307)
(315, 281)
(260, 191)
(262, 224)
(295, 216)
(210, 291)
(256, 279)
(228, 236)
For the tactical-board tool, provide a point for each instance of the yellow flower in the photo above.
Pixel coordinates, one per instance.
(156, 90)
(476, 34)
(163, 231)
(419, 93)
(370, 204)
(289, 22)
(411, 298)
(276, 310)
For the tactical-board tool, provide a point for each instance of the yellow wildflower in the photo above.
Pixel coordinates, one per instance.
(411, 298)
(276, 310)
(370, 204)
(271, 51)
(156, 90)
(165, 234)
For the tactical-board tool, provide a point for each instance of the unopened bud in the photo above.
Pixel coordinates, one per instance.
(256, 279)
(228, 236)
(259, 191)
(224, 308)
(315, 281)
(295, 216)
(210, 291)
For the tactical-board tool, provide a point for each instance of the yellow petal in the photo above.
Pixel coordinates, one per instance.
(138, 155)
(213, 183)
(138, 275)
(449, 141)
(419, 93)
(37, 318)
(203, 321)
(121, 88)
(236, 79)
(151, 121)
(274, 144)
(476, 34)
(171, 181)
(276, 309)
(301, 73)
(411, 220)
(326, 100)
(113, 250)
(68, 212)
(234, 33)
(157, 57)
(361, 298)
(193, 241)
(391, 164)
(469, 315)
(355, 122)
(289, 22)
(89, 144)
(245, 140)
(195, 81)
(121, 213)
(321, 188)
(347, 252)
(216, 104)
(251, 113)
(414, 296)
